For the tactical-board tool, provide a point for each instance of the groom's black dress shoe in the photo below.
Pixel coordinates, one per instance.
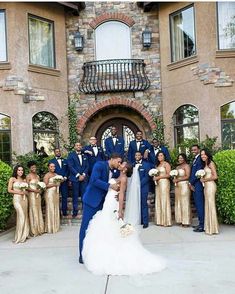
(80, 260)
(145, 226)
(198, 230)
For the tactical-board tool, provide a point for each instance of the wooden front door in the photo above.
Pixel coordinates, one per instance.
(126, 128)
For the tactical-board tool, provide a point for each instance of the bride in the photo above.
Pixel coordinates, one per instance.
(105, 250)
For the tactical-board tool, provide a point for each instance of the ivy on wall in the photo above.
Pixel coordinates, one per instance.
(72, 118)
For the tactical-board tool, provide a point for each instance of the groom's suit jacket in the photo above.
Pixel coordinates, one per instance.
(194, 181)
(98, 184)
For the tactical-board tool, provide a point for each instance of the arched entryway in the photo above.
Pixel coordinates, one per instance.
(125, 128)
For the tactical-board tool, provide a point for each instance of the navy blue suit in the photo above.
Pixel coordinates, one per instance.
(144, 145)
(144, 184)
(94, 196)
(117, 148)
(78, 187)
(64, 172)
(92, 159)
(198, 195)
(152, 157)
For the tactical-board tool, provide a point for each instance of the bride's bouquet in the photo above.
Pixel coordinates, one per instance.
(125, 228)
(154, 172)
(174, 173)
(200, 174)
(57, 179)
(41, 186)
(22, 187)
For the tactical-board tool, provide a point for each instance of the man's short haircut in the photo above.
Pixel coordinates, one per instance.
(195, 145)
(115, 155)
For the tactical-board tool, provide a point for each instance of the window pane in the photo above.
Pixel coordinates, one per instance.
(41, 42)
(226, 24)
(5, 150)
(228, 111)
(186, 114)
(46, 140)
(187, 132)
(228, 135)
(45, 121)
(182, 34)
(3, 50)
(5, 122)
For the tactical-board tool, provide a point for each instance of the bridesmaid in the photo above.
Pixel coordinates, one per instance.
(211, 222)
(20, 202)
(36, 223)
(52, 217)
(162, 200)
(182, 192)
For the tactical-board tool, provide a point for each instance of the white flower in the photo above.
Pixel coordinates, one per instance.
(57, 179)
(153, 172)
(174, 173)
(200, 173)
(125, 229)
(23, 186)
(41, 185)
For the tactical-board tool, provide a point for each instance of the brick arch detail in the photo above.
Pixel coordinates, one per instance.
(138, 107)
(108, 16)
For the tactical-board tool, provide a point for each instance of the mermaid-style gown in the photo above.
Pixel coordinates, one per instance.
(211, 223)
(106, 252)
(20, 203)
(162, 201)
(52, 217)
(36, 222)
(182, 201)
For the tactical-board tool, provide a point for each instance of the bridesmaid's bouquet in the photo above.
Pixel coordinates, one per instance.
(57, 179)
(22, 187)
(200, 174)
(125, 228)
(154, 172)
(174, 173)
(41, 186)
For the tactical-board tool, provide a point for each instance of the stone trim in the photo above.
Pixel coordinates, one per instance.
(108, 16)
(225, 54)
(44, 70)
(81, 124)
(5, 65)
(183, 62)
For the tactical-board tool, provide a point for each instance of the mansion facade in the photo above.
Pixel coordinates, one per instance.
(119, 63)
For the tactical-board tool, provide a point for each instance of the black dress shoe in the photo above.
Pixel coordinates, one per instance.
(80, 260)
(198, 230)
(145, 226)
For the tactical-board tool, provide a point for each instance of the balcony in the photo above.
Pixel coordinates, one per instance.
(114, 75)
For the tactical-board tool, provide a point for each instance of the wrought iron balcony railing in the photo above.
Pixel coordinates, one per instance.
(114, 75)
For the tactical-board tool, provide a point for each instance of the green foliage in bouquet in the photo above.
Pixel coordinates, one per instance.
(6, 203)
(225, 198)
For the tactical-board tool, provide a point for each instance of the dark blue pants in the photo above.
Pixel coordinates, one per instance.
(144, 208)
(199, 201)
(88, 213)
(64, 191)
(78, 189)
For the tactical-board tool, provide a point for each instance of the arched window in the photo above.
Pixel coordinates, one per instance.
(228, 125)
(186, 124)
(5, 138)
(45, 132)
(113, 41)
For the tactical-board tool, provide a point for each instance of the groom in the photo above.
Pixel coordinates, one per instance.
(96, 191)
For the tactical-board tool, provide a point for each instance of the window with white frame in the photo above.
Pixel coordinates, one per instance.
(186, 124)
(228, 125)
(113, 41)
(182, 30)
(5, 138)
(3, 44)
(226, 25)
(41, 42)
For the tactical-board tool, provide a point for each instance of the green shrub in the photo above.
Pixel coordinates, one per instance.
(6, 203)
(225, 198)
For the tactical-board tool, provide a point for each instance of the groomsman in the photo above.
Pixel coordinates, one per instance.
(94, 153)
(78, 167)
(197, 188)
(154, 149)
(114, 144)
(62, 169)
(143, 168)
(138, 145)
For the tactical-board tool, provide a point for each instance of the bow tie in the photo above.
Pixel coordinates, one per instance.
(58, 158)
(93, 145)
(115, 137)
(137, 162)
(79, 153)
(157, 148)
(138, 141)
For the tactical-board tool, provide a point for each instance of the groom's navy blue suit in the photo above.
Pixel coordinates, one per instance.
(94, 196)
(144, 184)
(198, 194)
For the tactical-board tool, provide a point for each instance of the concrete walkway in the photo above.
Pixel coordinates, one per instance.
(197, 263)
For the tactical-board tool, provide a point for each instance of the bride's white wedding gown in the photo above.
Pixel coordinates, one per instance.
(106, 252)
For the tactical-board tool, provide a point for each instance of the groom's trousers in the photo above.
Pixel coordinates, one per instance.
(88, 213)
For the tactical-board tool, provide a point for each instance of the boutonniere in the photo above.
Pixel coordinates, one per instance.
(114, 170)
(117, 140)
